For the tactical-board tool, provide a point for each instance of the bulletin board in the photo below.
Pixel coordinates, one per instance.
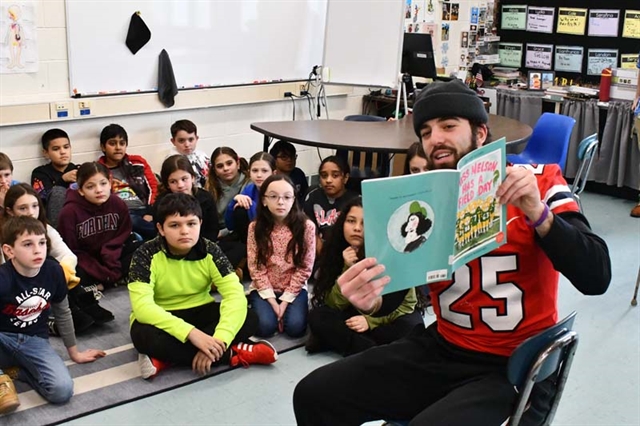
(602, 41)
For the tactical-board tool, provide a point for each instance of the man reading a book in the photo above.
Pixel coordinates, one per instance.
(492, 304)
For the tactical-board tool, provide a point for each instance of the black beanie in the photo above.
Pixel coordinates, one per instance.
(138, 34)
(447, 99)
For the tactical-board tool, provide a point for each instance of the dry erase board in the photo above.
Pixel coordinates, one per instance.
(210, 43)
(363, 42)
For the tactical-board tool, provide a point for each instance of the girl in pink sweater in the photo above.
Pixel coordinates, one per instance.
(280, 255)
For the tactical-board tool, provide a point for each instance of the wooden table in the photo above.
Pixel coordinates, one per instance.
(385, 136)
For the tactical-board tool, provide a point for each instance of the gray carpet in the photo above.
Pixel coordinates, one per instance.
(112, 380)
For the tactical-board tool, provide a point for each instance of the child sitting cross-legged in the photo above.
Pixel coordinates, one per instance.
(31, 286)
(174, 319)
(96, 226)
(280, 254)
(335, 324)
(22, 200)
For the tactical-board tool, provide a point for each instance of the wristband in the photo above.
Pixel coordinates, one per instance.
(540, 221)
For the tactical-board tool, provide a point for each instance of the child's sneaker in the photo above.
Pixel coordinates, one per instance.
(261, 352)
(150, 367)
(8, 395)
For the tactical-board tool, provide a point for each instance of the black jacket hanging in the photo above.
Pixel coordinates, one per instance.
(167, 87)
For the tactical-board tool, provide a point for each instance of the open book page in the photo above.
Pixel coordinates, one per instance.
(422, 227)
(409, 225)
(480, 218)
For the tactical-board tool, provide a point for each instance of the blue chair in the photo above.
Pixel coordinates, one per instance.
(373, 167)
(586, 151)
(536, 359)
(549, 141)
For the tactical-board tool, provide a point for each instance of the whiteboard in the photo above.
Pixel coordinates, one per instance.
(363, 42)
(210, 43)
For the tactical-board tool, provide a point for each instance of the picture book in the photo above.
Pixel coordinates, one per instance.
(422, 227)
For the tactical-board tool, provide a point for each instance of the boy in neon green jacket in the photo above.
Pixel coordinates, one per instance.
(174, 318)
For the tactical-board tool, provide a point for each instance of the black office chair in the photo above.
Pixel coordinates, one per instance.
(548, 353)
(375, 164)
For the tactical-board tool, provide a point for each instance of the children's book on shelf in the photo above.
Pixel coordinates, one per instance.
(422, 227)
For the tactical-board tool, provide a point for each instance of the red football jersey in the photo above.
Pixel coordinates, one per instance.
(495, 302)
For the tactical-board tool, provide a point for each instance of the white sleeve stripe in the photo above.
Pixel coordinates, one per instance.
(558, 203)
(555, 190)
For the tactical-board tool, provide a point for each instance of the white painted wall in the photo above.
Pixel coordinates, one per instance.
(148, 133)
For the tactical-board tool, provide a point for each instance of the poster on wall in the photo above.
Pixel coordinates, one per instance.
(446, 11)
(569, 58)
(540, 19)
(510, 54)
(474, 15)
(599, 59)
(539, 56)
(18, 37)
(629, 61)
(571, 21)
(604, 22)
(631, 27)
(514, 17)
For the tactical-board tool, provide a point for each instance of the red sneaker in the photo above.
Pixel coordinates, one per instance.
(150, 367)
(261, 352)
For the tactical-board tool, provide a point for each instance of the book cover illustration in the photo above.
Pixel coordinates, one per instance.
(423, 227)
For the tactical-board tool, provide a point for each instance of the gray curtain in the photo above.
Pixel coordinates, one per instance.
(525, 107)
(586, 113)
(619, 156)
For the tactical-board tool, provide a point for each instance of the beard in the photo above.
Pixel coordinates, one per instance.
(455, 154)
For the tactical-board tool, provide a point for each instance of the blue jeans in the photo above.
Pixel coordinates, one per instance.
(39, 364)
(295, 317)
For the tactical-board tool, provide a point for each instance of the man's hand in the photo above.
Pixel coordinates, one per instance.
(84, 357)
(350, 256)
(358, 285)
(210, 346)
(148, 217)
(358, 324)
(70, 177)
(520, 189)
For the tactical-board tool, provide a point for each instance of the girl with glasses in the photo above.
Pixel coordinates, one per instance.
(280, 256)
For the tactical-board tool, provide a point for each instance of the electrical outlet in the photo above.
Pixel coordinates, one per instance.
(82, 108)
(60, 109)
(302, 88)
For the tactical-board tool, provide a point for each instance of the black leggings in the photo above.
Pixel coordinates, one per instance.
(159, 344)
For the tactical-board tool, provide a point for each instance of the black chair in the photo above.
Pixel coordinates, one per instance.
(549, 353)
(376, 164)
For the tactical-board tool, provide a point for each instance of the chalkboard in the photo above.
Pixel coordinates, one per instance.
(210, 43)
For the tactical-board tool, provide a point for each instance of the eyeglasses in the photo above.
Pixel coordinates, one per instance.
(287, 157)
(276, 198)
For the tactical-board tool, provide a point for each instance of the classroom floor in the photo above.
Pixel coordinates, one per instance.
(603, 387)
